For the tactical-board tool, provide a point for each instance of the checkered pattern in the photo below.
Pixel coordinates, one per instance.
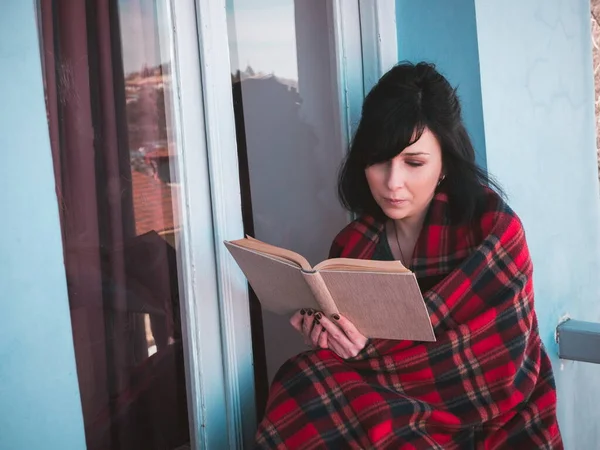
(486, 383)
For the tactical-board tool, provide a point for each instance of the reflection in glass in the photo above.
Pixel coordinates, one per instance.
(262, 38)
(289, 141)
(108, 91)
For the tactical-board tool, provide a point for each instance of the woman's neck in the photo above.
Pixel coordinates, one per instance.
(409, 228)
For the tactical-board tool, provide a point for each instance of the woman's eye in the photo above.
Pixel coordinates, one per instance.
(414, 163)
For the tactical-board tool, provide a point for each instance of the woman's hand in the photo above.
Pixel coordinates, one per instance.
(343, 337)
(339, 334)
(307, 322)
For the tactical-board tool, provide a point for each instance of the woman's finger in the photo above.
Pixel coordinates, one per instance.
(296, 319)
(307, 325)
(323, 341)
(336, 334)
(315, 333)
(337, 338)
(355, 336)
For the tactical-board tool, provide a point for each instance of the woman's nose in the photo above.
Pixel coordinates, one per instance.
(396, 177)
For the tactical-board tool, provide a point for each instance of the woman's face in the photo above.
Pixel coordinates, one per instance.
(404, 186)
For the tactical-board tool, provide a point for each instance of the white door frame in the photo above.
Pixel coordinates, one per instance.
(215, 307)
(218, 353)
(379, 39)
(362, 58)
(344, 21)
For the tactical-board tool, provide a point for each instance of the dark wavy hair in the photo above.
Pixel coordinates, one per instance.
(405, 101)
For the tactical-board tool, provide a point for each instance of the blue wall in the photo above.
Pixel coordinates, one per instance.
(538, 104)
(39, 397)
(445, 33)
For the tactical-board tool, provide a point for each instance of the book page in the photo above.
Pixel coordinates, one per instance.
(362, 265)
(279, 284)
(381, 305)
(280, 253)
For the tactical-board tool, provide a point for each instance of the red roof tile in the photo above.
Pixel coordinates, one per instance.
(153, 204)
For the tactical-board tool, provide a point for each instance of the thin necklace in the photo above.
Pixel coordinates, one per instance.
(403, 260)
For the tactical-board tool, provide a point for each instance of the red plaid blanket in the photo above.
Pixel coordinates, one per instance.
(486, 383)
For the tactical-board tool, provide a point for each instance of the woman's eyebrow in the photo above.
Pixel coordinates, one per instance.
(415, 153)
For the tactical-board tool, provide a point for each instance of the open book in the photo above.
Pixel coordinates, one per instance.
(381, 298)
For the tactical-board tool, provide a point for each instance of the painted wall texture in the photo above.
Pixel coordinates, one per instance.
(538, 106)
(39, 396)
(596, 58)
(446, 35)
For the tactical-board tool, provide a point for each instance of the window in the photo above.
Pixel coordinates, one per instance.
(107, 69)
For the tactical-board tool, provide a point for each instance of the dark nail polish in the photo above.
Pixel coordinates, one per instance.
(317, 322)
(310, 312)
(302, 312)
(336, 317)
(318, 316)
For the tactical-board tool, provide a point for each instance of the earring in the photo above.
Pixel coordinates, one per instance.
(441, 179)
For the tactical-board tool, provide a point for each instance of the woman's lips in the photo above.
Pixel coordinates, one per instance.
(395, 202)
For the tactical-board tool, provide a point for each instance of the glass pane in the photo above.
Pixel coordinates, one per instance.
(108, 89)
(289, 138)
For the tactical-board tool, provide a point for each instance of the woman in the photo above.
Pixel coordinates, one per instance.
(487, 383)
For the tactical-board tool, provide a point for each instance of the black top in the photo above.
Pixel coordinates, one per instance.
(383, 252)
